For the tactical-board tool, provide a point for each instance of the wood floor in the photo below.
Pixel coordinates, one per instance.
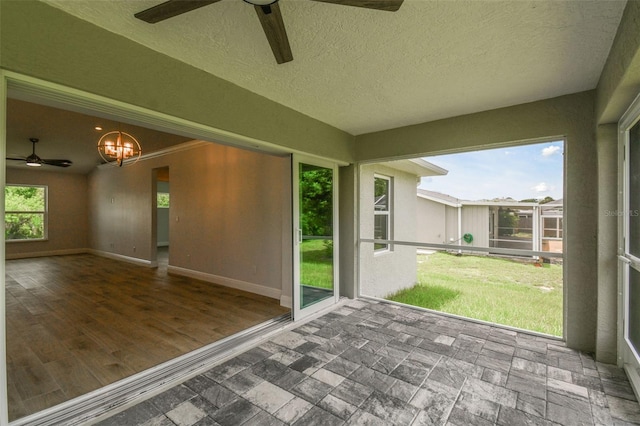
(77, 323)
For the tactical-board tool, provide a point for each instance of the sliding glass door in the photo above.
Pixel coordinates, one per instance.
(315, 236)
(630, 243)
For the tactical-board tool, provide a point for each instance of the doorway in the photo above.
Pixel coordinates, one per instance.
(629, 223)
(162, 215)
(315, 236)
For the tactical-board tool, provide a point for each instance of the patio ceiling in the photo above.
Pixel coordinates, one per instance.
(362, 70)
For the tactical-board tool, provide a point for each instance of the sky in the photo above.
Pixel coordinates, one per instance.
(520, 172)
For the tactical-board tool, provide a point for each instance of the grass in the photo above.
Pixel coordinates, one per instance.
(316, 265)
(497, 290)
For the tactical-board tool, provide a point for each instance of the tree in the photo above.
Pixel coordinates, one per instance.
(25, 207)
(316, 202)
(507, 222)
(546, 200)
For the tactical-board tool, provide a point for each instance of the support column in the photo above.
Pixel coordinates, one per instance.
(348, 261)
(607, 311)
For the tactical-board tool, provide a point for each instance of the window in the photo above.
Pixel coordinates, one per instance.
(25, 212)
(552, 227)
(382, 211)
(163, 200)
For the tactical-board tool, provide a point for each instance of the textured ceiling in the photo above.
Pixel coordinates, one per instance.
(362, 70)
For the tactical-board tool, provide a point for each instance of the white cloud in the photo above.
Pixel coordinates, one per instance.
(550, 150)
(541, 187)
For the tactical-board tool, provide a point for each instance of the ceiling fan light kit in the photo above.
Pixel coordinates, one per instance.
(268, 13)
(116, 147)
(34, 161)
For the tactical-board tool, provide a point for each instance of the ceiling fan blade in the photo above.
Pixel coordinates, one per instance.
(273, 26)
(388, 5)
(171, 8)
(16, 158)
(57, 163)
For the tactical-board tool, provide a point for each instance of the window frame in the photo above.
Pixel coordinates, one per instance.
(388, 213)
(557, 229)
(44, 213)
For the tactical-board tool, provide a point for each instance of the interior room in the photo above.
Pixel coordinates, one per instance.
(269, 116)
(99, 295)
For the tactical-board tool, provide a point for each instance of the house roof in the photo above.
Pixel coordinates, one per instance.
(416, 166)
(362, 70)
(439, 197)
(456, 202)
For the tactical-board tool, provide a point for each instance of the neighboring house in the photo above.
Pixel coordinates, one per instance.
(443, 219)
(552, 225)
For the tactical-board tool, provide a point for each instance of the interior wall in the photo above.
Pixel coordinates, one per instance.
(227, 215)
(32, 43)
(570, 117)
(67, 215)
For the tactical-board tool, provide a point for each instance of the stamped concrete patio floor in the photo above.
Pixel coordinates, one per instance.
(370, 363)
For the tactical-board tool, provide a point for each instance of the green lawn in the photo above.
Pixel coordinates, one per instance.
(316, 266)
(491, 289)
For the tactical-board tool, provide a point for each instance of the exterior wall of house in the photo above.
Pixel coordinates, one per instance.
(606, 343)
(382, 274)
(451, 214)
(475, 221)
(438, 223)
(431, 222)
(67, 216)
(618, 85)
(347, 204)
(228, 216)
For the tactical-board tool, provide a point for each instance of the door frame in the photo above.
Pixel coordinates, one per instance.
(628, 357)
(298, 312)
(97, 403)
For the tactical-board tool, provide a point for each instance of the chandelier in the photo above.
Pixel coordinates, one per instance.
(116, 147)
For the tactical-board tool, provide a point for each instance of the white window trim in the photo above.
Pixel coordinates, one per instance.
(388, 213)
(45, 213)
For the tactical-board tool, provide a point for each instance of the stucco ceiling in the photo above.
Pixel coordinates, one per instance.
(362, 70)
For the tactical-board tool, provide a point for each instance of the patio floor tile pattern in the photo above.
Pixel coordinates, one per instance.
(373, 363)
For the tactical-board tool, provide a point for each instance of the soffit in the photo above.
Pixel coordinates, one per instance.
(362, 70)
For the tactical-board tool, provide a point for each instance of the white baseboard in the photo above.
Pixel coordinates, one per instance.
(274, 293)
(115, 256)
(286, 301)
(45, 253)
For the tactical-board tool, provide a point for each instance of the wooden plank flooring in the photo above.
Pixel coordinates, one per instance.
(77, 323)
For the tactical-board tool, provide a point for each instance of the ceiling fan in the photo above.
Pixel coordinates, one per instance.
(35, 161)
(268, 13)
